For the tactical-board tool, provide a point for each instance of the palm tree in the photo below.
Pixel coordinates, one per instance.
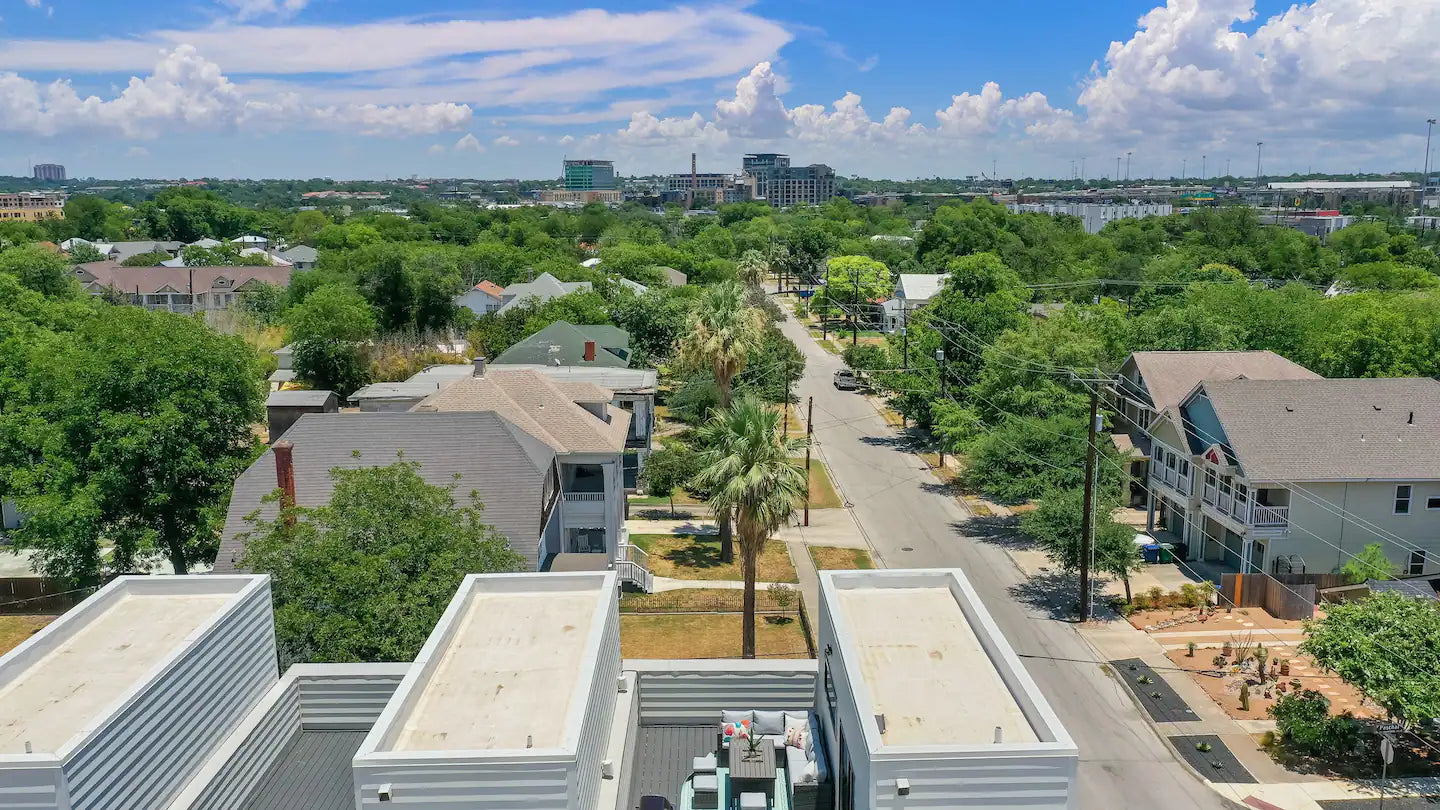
(752, 268)
(749, 468)
(719, 336)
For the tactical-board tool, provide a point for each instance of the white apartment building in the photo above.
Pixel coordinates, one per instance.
(1095, 216)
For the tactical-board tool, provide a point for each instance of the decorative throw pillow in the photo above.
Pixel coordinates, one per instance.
(770, 722)
(739, 730)
(794, 737)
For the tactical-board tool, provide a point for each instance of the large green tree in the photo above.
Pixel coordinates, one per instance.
(1388, 647)
(40, 269)
(366, 577)
(121, 438)
(749, 469)
(329, 331)
(1055, 525)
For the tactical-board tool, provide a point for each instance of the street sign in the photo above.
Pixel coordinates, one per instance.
(1391, 728)
(1387, 750)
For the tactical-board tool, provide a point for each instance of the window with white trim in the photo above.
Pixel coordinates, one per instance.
(1402, 499)
(1432, 503)
(1417, 563)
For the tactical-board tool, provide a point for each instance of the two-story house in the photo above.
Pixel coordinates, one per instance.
(1152, 384)
(513, 472)
(1300, 475)
(482, 299)
(633, 390)
(584, 430)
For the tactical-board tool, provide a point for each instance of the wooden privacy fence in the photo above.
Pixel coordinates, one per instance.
(36, 595)
(1284, 596)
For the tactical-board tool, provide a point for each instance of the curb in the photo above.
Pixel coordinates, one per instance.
(1165, 740)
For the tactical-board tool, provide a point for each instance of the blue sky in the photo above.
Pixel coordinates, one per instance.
(363, 88)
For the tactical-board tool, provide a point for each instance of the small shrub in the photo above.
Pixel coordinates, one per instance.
(802, 310)
(1156, 595)
(1219, 661)
(783, 594)
(1190, 596)
(1203, 747)
(1144, 679)
(1190, 649)
(1303, 720)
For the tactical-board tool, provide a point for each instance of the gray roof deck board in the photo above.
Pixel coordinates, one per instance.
(662, 759)
(313, 772)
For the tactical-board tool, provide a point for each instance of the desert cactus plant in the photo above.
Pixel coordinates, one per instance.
(1244, 697)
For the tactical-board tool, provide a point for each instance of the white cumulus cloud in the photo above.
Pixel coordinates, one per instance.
(506, 140)
(187, 92)
(469, 143)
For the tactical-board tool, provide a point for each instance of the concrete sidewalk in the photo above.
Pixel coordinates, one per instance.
(670, 584)
(1118, 639)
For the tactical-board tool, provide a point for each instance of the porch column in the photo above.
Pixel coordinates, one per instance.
(614, 480)
(1149, 511)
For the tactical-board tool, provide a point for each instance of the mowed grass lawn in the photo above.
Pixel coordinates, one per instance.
(712, 600)
(688, 556)
(15, 629)
(836, 558)
(669, 635)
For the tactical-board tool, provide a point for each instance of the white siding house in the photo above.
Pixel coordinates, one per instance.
(116, 705)
(925, 704)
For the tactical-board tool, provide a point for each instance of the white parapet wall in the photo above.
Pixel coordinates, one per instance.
(120, 701)
(510, 702)
(924, 701)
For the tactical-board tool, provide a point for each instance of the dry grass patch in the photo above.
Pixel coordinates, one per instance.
(15, 629)
(688, 556)
(706, 636)
(837, 558)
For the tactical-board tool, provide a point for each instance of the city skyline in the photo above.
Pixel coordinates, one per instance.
(306, 88)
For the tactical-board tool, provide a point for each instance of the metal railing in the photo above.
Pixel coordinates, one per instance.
(633, 566)
(588, 497)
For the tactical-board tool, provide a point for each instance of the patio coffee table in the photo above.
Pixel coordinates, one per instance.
(752, 772)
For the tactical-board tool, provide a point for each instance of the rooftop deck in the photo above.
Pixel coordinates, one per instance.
(313, 773)
(926, 670)
(94, 660)
(504, 666)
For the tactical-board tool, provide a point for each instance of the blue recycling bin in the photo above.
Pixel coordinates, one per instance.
(1150, 553)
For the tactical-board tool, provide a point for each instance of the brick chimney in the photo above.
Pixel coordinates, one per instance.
(589, 351)
(479, 367)
(285, 474)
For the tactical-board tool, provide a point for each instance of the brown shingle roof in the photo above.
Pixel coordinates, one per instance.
(155, 279)
(491, 288)
(1330, 430)
(1170, 376)
(537, 406)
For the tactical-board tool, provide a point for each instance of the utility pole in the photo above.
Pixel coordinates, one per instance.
(905, 344)
(855, 313)
(1082, 168)
(1117, 170)
(940, 362)
(1258, 145)
(809, 440)
(1127, 166)
(785, 432)
(1087, 526)
(1425, 177)
(1183, 169)
(1202, 168)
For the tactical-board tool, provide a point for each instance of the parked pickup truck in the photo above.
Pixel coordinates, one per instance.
(846, 380)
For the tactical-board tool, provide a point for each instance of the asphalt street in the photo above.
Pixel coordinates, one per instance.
(910, 523)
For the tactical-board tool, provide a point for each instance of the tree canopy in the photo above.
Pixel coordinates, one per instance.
(366, 577)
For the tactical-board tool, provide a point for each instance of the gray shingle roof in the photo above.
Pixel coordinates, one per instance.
(1331, 430)
(543, 288)
(502, 463)
(301, 253)
(1169, 376)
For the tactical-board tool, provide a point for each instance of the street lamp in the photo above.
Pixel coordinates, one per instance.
(940, 363)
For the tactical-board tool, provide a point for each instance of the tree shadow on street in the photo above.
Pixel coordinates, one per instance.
(1053, 593)
(997, 531)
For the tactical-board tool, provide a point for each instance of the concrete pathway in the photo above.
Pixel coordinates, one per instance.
(696, 526)
(670, 584)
